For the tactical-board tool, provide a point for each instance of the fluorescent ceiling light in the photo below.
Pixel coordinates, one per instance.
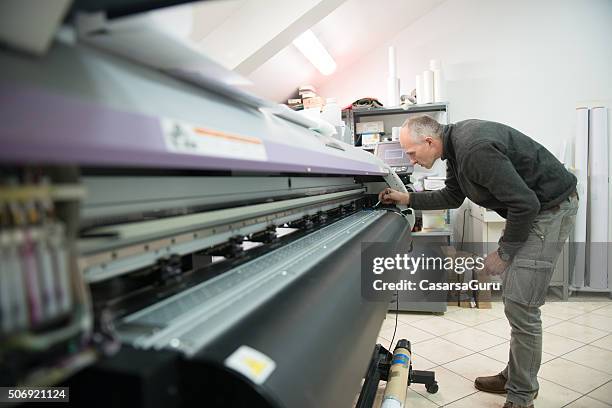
(309, 45)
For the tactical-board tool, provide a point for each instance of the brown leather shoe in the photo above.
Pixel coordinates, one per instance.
(495, 384)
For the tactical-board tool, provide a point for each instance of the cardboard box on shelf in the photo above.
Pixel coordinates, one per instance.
(308, 94)
(306, 88)
(370, 138)
(462, 298)
(370, 127)
(316, 102)
(482, 297)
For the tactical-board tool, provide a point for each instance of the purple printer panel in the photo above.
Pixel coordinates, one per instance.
(39, 127)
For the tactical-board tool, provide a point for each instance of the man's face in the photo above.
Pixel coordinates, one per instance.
(422, 153)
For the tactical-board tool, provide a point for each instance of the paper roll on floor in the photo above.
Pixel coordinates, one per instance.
(580, 165)
(597, 277)
(395, 391)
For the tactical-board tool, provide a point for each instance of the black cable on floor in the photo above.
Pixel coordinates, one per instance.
(396, 313)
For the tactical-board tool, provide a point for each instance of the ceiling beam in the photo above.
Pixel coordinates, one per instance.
(260, 29)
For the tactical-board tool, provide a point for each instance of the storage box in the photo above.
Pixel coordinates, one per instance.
(306, 88)
(370, 127)
(482, 297)
(370, 138)
(457, 297)
(308, 94)
(316, 102)
(434, 219)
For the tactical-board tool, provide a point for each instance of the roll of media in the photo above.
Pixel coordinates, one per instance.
(598, 196)
(419, 88)
(393, 92)
(428, 83)
(580, 164)
(439, 86)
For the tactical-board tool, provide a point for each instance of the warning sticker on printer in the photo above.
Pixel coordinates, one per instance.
(251, 363)
(181, 137)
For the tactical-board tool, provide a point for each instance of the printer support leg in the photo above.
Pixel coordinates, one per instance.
(379, 368)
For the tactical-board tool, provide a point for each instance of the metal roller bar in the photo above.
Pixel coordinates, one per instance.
(172, 225)
(102, 260)
(110, 196)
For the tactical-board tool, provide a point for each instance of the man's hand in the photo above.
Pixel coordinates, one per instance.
(390, 196)
(494, 265)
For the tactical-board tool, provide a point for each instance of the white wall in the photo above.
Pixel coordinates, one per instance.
(524, 63)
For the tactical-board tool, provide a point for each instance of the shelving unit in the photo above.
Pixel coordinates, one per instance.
(354, 116)
(426, 239)
(448, 232)
(426, 107)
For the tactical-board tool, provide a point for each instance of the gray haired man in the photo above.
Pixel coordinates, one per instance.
(502, 169)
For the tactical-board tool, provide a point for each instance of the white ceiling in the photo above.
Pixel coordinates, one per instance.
(209, 14)
(349, 29)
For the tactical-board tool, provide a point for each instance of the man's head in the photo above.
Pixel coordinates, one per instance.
(421, 138)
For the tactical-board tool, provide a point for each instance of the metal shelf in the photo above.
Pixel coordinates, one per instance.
(433, 233)
(427, 107)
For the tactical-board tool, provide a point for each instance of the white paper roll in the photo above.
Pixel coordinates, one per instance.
(439, 86)
(580, 164)
(392, 63)
(419, 89)
(393, 90)
(563, 153)
(428, 87)
(391, 403)
(597, 276)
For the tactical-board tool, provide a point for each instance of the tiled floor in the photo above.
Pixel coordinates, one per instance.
(463, 343)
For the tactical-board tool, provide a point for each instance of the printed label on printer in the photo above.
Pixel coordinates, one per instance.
(251, 363)
(181, 137)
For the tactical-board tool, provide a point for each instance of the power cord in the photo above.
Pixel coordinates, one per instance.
(396, 313)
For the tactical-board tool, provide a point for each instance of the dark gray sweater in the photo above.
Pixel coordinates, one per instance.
(502, 169)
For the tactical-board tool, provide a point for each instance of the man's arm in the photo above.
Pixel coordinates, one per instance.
(450, 196)
(493, 170)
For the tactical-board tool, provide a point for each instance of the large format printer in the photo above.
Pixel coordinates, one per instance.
(168, 241)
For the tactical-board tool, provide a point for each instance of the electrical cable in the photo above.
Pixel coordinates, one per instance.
(396, 313)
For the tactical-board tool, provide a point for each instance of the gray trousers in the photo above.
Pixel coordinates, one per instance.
(525, 283)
